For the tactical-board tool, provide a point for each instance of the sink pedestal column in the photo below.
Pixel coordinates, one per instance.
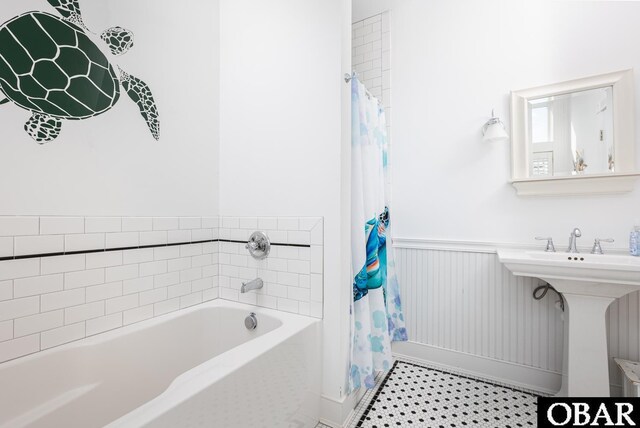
(586, 365)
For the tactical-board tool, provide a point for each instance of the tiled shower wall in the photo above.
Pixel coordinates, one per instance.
(371, 58)
(66, 278)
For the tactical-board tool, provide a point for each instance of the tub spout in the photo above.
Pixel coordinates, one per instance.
(251, 285)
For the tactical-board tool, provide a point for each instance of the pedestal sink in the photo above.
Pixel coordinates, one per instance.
(589, 284)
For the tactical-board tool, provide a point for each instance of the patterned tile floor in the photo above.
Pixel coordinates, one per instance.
(414, 395)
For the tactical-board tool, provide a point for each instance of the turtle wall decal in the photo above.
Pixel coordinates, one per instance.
(50, 67)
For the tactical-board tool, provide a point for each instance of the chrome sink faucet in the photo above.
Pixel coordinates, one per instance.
(251, 285)
(575, 234)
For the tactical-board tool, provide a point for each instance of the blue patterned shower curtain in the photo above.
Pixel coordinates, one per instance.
(377, 317)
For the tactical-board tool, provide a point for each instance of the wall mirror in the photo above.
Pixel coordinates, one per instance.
(575, 137)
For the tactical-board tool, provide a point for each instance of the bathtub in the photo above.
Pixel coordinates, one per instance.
(199, 367)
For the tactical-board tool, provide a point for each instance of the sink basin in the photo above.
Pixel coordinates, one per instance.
(589, 283)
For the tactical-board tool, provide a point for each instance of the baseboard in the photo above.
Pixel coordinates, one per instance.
(337, 413)
(518, 375)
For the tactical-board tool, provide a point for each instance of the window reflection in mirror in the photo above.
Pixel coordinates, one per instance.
(571, 134)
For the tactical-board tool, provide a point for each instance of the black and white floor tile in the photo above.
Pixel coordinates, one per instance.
(414, 395)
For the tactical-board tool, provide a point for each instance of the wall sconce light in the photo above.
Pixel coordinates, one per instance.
(494, 130)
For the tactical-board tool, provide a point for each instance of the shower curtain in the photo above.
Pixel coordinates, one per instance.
(377, 317)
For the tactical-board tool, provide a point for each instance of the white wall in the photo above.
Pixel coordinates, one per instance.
(110, 165)
(452, 62)
(280, 139)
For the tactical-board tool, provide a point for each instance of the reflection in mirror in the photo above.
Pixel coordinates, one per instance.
(571, 134)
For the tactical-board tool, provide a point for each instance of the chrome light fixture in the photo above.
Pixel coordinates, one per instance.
(494, 130)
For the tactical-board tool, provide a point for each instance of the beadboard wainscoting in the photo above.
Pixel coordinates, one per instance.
(66, 278)
(464, 309)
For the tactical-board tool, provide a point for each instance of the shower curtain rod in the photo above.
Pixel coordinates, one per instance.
(348, 77)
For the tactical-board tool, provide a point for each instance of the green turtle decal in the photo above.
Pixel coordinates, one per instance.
(49, 66)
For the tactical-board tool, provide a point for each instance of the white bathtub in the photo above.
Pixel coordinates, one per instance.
(199, 367)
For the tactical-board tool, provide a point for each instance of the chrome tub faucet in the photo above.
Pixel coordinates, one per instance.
(251, 285)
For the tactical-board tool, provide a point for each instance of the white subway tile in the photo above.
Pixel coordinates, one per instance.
(179, 290)
(210, 294)
(201, 235)
(316, 259)
(6, 330)
(238, 260)
(15, 226)
(37, 323)
(118, 273)
(190, 274)
(277, 264)
(153, 296)
(308, 223)
(166, 223)
(190, 250)
(19, 308)
(61, 225)
(202, 284)
(6, 290)
(37, 285)
(304, 253)
(230, 271)
(277, 290)
(210, 222)
(165, 253)
(315, 309)
(166, 306)
(203, 260)
(303, 308)
(153, 268)
(224, 233)
(106, 259)
(137, 314)
(122, 239)
(240, 234)
(229, 294)
(288, 223)
(267, 301)
(250, 223)
(83, 312)
(301, 238)
(305, 281)
(83, 278)
(137, 256)
(287, 252)
(190, 300)
(137, 224)
(153, 238)
(62, 335)
(317, 237)
(231, 222)
(287, 278)
(6, 246)
(287, 305)
(16, 348)
(278, 236)
(299, 266)
(211, 270)
(102, 324)
(247, 273)
(120, 304)
(60, 264)
(250, 298)
(104, 291)
(178, 236)
(79, 242)
(42, 244)
(179, 264)
(228, 248)
(62, 299)
(102, 224)
(316, 288)
(190, 223)
(167, 279)
(300, 294)
(267, 223)
(137, 285)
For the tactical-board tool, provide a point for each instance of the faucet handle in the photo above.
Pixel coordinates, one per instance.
(597, 248)
(550, 247)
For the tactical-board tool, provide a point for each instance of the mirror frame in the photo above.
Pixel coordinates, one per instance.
(621, 181)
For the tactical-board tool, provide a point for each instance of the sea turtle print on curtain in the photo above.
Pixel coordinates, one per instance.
(377, 311)
(50, 66)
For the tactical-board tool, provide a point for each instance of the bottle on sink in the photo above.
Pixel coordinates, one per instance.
(634, 240)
